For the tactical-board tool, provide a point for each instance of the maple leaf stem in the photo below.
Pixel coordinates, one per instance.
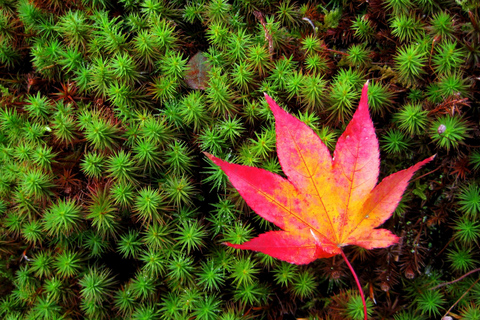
(358, 283)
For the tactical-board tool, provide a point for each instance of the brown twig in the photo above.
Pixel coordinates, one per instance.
(426, 174)
(456, 280)
(268, 36)
(456, 302)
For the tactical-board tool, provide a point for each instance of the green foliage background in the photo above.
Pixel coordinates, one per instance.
(109, 209)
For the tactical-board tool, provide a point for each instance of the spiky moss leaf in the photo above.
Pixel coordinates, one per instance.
(452, 85)
(164, 88)
(211, 276)
(154, 262)
(192, 12)
(64, 127)
(158, 236)
(194, 110)
(75, 29)
(179, 190)
(217, 11)
(354, 308)
(238, 43)
(123, 194)
(102, 213)
(190, 236)
(304, 284)
(219, 94)
(363, 28)
(32, 232)
(442, 25)
(38, 107)
(343, 96)
(62, 218)
(467, 231)
(157, 129)
(409, 63)
(149, 205)
(263, 144)
(430, 302)
(125, 301)
(121, 167)
(172, 65)
(406, 27)
(68, 264)
(244, 271)
(208, 307)
(461, 259)
(143, 286)
(45, 54)
(56, 290)
(398, 6)
(380, 98)
(37, 184)
(101, 76)
(11, 122)
(125, 68)
(470, 312)
(144, 45)
(448, 58)
(242, 75)
(45, 308)
(42, 264)
(282, 68)
(93, 164)
(449, 132)
(148, 155)
(126, 99)
(294, 84)
(237, 233)
(129, 244)
(101, 133)
(94, 243)
(96, 285)
(43, 157)
(311, 45)
(181, 268)
(475, 159)
(359, 56)
(251, 294)
(146, 311)
(469, 199)
(7, 25)
(285, 273)
(395, 141)
(406, 315)
(211, 141)
(412, 119)
(259, 58)
(171, 306)
(312, 92)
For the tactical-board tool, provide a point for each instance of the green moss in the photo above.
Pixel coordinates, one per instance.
(108, 209)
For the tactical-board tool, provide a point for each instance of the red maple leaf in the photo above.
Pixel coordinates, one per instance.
(325, 204)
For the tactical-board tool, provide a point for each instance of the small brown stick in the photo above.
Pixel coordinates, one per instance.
(268, 36)
(456, 302)
(426, 174)
(456, 280)
(336, 51)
